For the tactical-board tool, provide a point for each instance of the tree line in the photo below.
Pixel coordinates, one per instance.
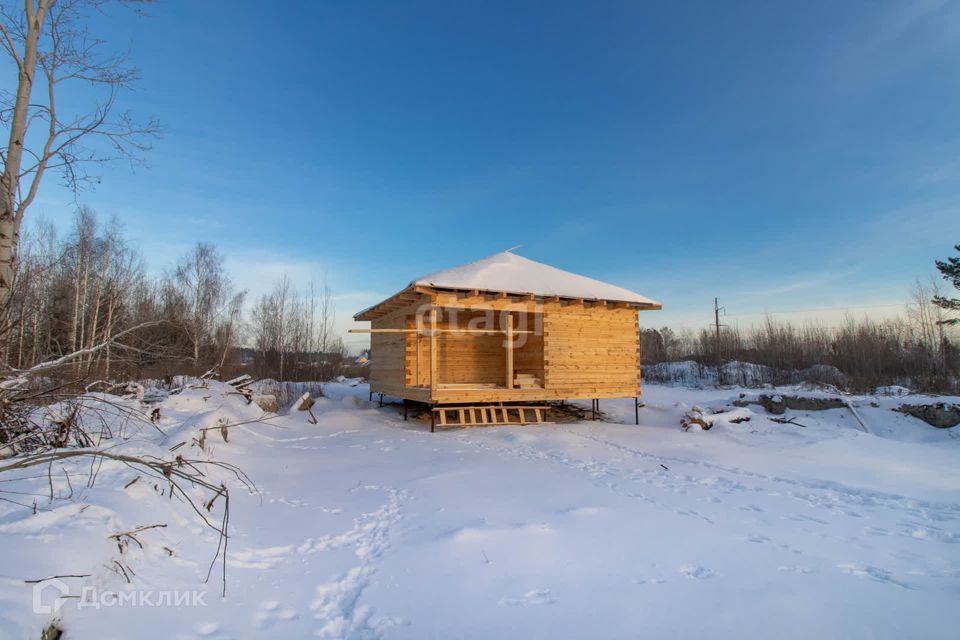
(915, 348)
(79, 291)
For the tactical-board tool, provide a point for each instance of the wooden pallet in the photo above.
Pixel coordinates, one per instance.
(489, 415)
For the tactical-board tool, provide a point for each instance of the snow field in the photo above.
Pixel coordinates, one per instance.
(366, 526)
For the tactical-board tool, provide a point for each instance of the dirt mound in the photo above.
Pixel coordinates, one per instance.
(942, 415)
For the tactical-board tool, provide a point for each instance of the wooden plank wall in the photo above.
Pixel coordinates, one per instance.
(591, 352)
(481, 359)
(418, 365)
(465, 358)
(583, 351)
(388, 353)
(528, 347)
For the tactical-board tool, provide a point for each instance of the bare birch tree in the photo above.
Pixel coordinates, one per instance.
(328, 314)
(293, 335)
(205, 286)
(229, 328)
(281, 295)
(47, 41)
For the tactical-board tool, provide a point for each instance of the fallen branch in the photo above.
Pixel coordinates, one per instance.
(172, 472)
(53, 364)
(123, 571)
(132, 535)
(64, 575)
(221, 427)
(792, 421)
(132, 532)
(863, 425)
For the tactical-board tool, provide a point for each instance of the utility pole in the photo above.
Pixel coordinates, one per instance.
(716, 322)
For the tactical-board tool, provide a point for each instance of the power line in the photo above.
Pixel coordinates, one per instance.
(816, 309)
(716, 320)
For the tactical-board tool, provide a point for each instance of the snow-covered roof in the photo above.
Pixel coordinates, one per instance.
(515, 274)
(508, 272)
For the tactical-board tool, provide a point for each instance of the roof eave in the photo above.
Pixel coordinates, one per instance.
(387, 305)
(421, 287)
(376, 310)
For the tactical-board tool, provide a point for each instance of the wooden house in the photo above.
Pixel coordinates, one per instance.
(505, 329)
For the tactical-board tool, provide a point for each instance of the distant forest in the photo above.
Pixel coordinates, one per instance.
(88, 290)
(918, 349)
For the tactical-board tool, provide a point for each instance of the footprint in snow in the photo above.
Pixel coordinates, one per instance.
(874, 573)
(696, 572)
(792, 550)
(534, 597)
(265, 558)
(206, 629)
(583, 511)
(271, 612)
(290, 502)
(793, 568)
(920, 532)
(799, 517)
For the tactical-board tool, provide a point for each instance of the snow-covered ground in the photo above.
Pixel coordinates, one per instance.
(368, 526)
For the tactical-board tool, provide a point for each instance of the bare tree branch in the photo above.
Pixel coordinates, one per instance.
(51, 35)
(53, 364)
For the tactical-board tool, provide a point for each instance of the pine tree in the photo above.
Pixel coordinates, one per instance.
(950, 270)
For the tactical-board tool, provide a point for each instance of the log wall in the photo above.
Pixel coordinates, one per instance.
(583, 351)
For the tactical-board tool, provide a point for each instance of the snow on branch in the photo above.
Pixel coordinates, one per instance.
(80, 353)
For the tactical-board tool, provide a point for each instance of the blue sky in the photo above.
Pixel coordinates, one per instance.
(782, 156)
